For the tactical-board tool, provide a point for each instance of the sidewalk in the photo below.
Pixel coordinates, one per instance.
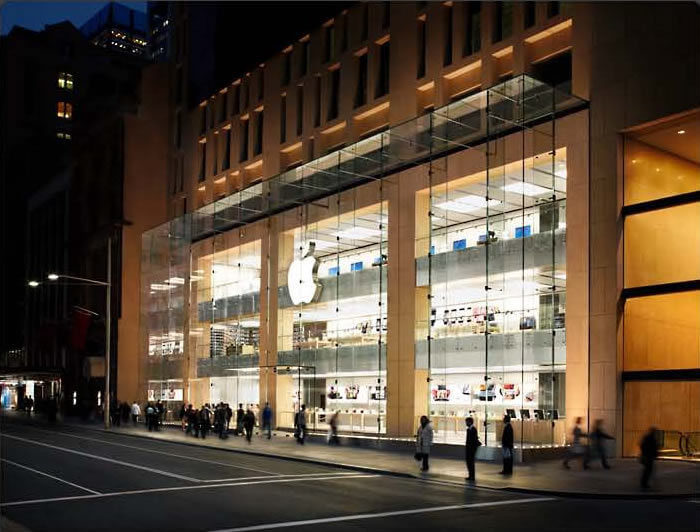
(674, 479)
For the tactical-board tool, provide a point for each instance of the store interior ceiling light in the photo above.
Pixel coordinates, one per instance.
(358, 233)
(527, 189)
(467, 204)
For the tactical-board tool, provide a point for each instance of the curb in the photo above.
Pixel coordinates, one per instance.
(442, 478)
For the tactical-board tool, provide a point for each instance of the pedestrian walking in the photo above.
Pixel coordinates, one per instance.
(577, 449)
(267, 420)
(240, 413)
(248, 424)
(160, 414)
(204, 420)
(424, 439)
(472, 444)
(507, 446)
(300, 425)
(229, 415)
(135, 412)
(182, 416)
(649, 447)
(333, 429)
(596, 445)
(151, 417)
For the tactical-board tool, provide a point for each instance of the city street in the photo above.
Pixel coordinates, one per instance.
(69, 478)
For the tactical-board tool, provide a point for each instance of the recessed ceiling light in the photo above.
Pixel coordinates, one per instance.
(527, 189)
(681, 131)
(467, 204)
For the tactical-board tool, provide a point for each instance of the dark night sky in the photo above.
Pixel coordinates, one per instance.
(34, 15)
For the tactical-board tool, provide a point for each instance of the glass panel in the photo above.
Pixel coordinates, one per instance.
(662, 332)
(654, 241)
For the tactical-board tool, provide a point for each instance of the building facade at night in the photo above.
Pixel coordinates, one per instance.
(447, 209)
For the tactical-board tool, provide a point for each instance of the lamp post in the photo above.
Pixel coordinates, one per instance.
(108, 320)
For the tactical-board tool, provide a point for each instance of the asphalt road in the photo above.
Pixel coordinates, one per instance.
(73, 479)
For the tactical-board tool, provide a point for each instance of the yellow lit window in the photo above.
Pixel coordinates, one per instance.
(65, 81)
(65, 110)
(63, 136)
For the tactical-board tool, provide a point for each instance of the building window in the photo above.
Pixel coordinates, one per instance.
(222, 108)
(243, 145)
(300, 109)
(283, 119)
(261, 85)
(555, 70)
(63, 135)
(553, 9)
(421, 47)
(334, 81)
(329, 43)
(304, 58)
(383, 75)
(344, 38)
(235, 99)
(203, 120)
(361, 91)
(215, 158)
(65, 110)
(210, 113)
(365, 22)
(472, 34)
(503, 21)
(447, 55)
(65, 81)
(386, 15)
(317, 98)
(202, 162)
(257, 149)
(226, 163)
(245, 97)
(286, 68)
(529, 14)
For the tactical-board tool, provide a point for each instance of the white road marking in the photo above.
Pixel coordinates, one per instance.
(177, 488)
(50, 476)
(340, 474)
(356, 517)
(188, 458)
(105, 459)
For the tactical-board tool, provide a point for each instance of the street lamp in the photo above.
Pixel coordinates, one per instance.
(33, 284)
(108, 320)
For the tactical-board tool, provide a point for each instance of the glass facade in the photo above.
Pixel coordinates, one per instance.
(420, 270)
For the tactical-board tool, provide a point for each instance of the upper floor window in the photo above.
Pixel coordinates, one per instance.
(503, 21)
(63, 135)
(329, 50)
(421, 47)
(472, 33)
(286, 68)
(447, 51)
(64, 110)
(553, 9)
(304, 58)
(382, 87)
(65, 81)
(386, 15)
(529, 14)
(333, 93)
(361, 90)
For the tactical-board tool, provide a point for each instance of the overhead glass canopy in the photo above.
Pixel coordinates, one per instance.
(467, 123)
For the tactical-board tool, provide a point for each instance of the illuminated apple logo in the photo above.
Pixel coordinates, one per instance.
(302, 278)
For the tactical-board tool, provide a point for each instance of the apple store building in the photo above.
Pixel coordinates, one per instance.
(428, 269)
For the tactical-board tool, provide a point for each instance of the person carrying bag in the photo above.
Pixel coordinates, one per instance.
(424, 439)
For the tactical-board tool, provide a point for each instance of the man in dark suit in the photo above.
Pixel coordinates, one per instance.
(507, 446)
(472, 445)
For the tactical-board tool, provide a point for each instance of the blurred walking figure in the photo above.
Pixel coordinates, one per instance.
(577, 449)
(135, 412)
(424, 439)
(300, 425)
(507, 446)
(248, 424)
(229, 415)
(596, 445)
(239, 419)
(267, 420)
(333, 429)
(204, 420)
(150, 416)
(649, 447)
(471, 446)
